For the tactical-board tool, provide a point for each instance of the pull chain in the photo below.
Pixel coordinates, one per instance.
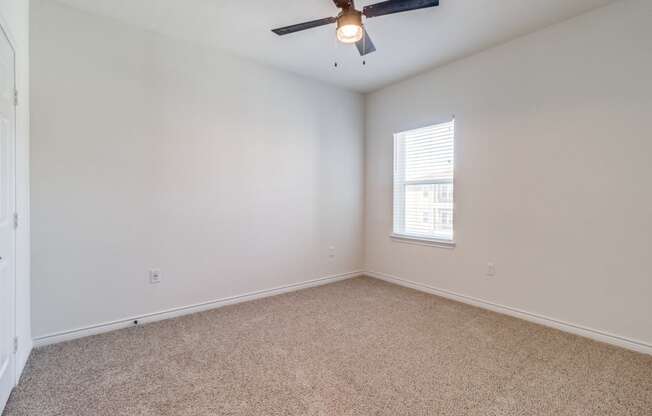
(364, 45)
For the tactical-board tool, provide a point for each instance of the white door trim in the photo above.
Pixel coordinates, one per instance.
(4, 28)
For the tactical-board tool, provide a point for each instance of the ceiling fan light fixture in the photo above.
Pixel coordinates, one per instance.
(349, 33)
(349, 26)
(350, 29)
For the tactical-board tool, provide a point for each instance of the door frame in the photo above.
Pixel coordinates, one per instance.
(4, 29)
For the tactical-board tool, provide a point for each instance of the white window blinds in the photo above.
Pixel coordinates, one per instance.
(423, 182)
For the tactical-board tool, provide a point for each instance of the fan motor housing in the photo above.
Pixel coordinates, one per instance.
(349, 17)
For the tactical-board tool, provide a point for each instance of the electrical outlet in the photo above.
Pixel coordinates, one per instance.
(331, 252)
(491, 269)
(154, 277)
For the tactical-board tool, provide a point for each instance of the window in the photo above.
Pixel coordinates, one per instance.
(423, 183)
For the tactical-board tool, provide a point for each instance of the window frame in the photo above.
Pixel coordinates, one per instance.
(441, 242)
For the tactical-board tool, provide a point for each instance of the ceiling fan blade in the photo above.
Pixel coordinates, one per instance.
(397, 6)
(365, 45)
(344, 4)
(303, 26)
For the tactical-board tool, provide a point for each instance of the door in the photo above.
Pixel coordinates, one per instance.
(7, 220)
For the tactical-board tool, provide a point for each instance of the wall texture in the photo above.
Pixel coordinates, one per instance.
(553, 172)
(149, 152)
(15, 15)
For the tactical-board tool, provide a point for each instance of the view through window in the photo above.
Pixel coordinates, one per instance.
(423, 182)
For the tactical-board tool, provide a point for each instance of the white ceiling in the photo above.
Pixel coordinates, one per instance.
(407, 43)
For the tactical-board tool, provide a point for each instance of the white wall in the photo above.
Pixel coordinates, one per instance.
(553, 174)
(15, 15)
(149, 152)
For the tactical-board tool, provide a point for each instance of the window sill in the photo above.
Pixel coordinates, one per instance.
(422, 241)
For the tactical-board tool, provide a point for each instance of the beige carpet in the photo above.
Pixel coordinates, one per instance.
(358, 347)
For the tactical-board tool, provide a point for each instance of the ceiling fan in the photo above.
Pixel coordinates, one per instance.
(350, 28)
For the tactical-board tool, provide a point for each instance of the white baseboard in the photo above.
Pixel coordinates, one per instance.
(185, 310)
(583, 331)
